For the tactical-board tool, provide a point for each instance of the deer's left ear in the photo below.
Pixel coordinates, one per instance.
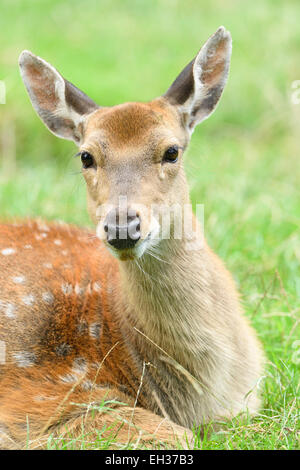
(60, 105)
(197, 90)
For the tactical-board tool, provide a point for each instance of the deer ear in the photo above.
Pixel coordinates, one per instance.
(197, 90)
(60, 105)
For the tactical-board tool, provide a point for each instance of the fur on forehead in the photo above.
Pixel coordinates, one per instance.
(131, 122)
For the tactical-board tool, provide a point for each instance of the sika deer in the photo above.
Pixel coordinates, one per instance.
(137, 319)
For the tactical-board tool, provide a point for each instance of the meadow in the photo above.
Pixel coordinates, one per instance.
(243, 163)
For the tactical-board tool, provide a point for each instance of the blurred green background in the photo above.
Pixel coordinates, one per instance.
(243, 163)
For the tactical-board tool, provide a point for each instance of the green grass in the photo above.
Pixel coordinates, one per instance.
(243, 163)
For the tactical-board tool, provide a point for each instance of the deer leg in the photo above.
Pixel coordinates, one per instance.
(82, 419)
(122, 426)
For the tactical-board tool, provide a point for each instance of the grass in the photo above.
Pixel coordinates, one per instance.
(243, 163)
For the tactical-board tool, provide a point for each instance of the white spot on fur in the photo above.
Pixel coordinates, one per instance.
(67, 288)
(25, 358)
(28, 299)
(57, 242)
(78, 290)
(44, 398)
(8, 251)
(97, 286)
(48, 265)
(41, 236)
(18, 279)
(79, 366)
(28, 247)
(69, 378)
(43, 227)
(48, 297)
(87, 385)
(78, 370)
(8, 309)
(95, 330)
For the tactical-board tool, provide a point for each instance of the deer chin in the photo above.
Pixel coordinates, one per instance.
(130, 254)
(136, 252)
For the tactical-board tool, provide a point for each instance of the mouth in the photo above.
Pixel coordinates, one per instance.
(130, 254)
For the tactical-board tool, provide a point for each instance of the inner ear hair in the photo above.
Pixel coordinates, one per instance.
(60, 104)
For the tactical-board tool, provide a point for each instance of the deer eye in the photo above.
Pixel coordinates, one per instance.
(87, 160)
(171, 155)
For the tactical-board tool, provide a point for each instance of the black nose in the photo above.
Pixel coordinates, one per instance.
(122, 234)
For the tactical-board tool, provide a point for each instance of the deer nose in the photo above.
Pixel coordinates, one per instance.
(122, 232)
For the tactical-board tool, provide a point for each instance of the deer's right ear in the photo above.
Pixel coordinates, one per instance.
(60, 105)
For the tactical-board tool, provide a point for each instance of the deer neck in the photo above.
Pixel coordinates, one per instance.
(165, 298)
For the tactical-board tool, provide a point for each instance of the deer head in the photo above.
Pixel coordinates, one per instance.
(132, 154)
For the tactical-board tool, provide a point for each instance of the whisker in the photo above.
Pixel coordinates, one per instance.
(150, 252)
(142, 270)
(155, 251)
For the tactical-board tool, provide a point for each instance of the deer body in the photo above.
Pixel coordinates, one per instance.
(150, 326)
(76, 308)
